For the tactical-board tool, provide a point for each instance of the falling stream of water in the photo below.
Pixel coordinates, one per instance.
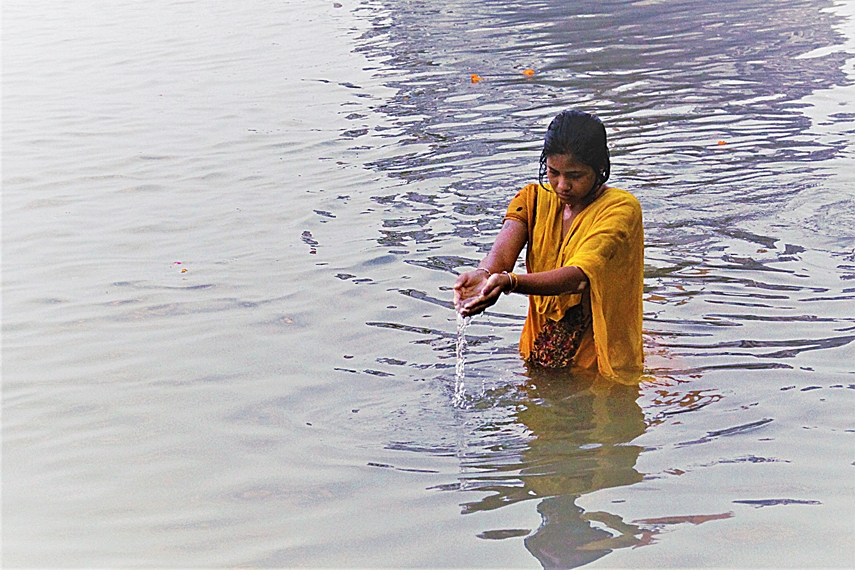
(460, 366)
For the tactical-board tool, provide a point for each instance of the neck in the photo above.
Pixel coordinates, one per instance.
(594, 193)
(586, 200)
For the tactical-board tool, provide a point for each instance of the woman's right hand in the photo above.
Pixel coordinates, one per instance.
(468, 286)
(475, 291)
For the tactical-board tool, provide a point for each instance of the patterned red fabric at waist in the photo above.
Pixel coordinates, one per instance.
(557, 343)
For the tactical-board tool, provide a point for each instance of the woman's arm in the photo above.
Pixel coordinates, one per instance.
(477, 290)
(556, 282)
(469, 297)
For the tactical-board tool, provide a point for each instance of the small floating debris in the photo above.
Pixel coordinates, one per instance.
(475, 78)
(721, 143)
(528, 72)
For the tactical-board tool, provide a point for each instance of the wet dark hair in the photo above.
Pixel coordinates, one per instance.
(581, 135)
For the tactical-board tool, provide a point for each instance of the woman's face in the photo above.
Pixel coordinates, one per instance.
(570, 179)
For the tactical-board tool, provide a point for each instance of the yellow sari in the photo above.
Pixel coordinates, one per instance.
(605, 241)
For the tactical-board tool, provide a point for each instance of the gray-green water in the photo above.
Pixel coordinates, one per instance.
(322, 171)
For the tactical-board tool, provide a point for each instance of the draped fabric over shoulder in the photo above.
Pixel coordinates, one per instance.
(605, 241)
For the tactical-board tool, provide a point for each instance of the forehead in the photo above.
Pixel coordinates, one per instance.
(565, 163)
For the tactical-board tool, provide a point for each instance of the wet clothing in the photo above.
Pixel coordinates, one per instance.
(600, 328)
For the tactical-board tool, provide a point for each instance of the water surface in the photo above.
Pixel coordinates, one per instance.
(229, 236)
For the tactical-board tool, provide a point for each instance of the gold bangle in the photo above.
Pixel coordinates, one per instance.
(513, 280)
(483, 269)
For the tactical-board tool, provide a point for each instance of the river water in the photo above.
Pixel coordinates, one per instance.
(229, 235)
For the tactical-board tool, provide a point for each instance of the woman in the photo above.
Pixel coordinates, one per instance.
(584, 260)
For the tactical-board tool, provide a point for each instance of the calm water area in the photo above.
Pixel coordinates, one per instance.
(229, 235)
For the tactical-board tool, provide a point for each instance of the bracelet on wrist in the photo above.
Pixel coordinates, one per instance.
(484, 269)
(513, 281)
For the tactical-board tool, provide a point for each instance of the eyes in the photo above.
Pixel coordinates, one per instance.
(570, 174)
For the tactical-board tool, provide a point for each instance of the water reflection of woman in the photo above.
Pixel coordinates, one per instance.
(584, 257)
(581, 425)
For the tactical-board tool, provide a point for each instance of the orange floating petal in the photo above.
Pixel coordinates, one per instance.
(475, 78)
(722, 142)
(528, 72)
(183, 271)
